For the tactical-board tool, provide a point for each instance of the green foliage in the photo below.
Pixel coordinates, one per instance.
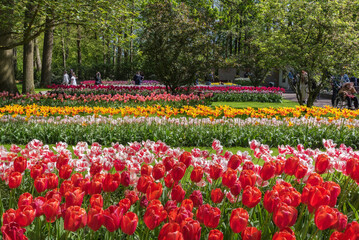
(177, 135)
(176, 42)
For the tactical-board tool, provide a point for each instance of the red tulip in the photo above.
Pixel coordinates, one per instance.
(95, 187)
(15, 180)
(187, 204)
(351, 232)
(283, 235)
(13, 231)
(238, 220)
(154, 191)
(268, 170)
(251, 233)
(95, 218)
(196, 198)
(62, 160)
(95, 168)
(96, 200)
(301, 171)
(279, 167)
(271, 200)
(37, 205)
(25, 199)
(215, 171)
(124, 204)
(74, 197)
(334, 190)
(325, 217)
(119, 165)
(132, 195)
(229, 177)
(178, 193)
(158, 171)
(197, 174)
(111, 182)
(169, 182)
(215, 234)
(234, 162)
(125, 178)
(20, 164)
(25, 215)
(40, 183)
(169, 162)
(236, 188)
(247, 177)
(9, 216)
(36, 171)
(52, 180)
(342, 221)
(336, 236)
(251, 196)
(65, 171)
(76, 179)
(129, 223)
(146, 170)
(170, 231)
(112, 218)
(291, 165)
(192, 230)
(154, 215)
(285, 216)
(208, 215)
(75, 218)
(315, 179)
(315, 196)
(143, 183)
(178, 171)
(66, 186)
(51, 209)
(322, 163)
(185, 158)
(179, 215)
(217, 195)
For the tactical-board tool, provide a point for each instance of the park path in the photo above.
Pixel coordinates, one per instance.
(324, 100)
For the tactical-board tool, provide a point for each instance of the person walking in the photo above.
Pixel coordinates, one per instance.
(303, 85)
(66, 79)
(137, 78)
(73, 80)
(98, 78)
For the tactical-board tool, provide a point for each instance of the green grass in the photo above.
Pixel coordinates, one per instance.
(285, 103)
(37, 90)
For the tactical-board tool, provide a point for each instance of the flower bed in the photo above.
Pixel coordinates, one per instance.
(178, 131)
(149, 190)
(188, 111)
(144, 82)
(106, 100)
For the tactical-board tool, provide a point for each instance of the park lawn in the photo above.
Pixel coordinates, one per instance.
(285, 103)
(37, 90)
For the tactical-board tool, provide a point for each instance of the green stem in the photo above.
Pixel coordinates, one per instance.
(315, 234)
(307, 226)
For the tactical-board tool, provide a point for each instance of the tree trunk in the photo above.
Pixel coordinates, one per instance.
(63, 51)
(7, 76)
(37, 56)
(28, 85)
(118, 63)
(79, 57)
(46, 73)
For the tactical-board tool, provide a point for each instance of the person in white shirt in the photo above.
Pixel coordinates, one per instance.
(73, 80)
(66, 79)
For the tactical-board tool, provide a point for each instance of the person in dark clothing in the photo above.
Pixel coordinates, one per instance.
(348, 91)
(209, 78)
(98, 78)
(335, 86)
(137, 78)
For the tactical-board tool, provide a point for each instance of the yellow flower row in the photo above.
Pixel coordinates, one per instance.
(198, 111)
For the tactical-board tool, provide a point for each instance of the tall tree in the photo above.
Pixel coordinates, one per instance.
(46, 72)
(175, 42)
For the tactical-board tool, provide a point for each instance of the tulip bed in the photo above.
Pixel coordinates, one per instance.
(149, 190)
(106, 100)
(220, 93)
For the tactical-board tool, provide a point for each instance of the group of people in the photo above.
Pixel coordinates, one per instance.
(345, 88)
(69, 79)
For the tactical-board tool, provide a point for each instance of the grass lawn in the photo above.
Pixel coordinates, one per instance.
(37, 90)
(285, 103)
